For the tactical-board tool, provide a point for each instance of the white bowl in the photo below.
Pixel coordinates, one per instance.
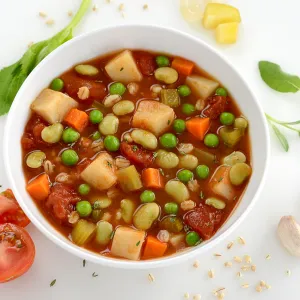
(153, 38)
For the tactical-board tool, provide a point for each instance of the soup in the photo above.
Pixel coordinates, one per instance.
(136, 155)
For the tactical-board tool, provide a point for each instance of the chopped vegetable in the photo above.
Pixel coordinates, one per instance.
(127, 243)
(220, 183)
(48, 101)
(77, 119)
(100, 174)
(170, 97)
(83, 232)
(217, 13)
(172, 224)
(201, 86)
(154, 248)
(230, 136)
(198, 127)
(123, 68)
(205, 157)
(227, 33)
(183, 66)
(129, 179)
(152, 178)
(39, 188)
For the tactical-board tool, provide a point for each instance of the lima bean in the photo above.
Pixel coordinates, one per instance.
(145, 216)
(188, 161)
(52, 134)
(109, 125)
(166, 75)
(145, 138)
(234, 157)
(123, 107)
(166, 160)
(239, 173)
(35, 159)
(177, 190)
(127, 210)
(87, 70)
(216, 203)
(103, 232)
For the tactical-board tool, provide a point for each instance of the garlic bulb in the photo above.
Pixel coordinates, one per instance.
(289, 234)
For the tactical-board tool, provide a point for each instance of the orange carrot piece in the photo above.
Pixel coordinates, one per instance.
(77, 119)
(198, 127)
(154, 248)
(152, 178)
(184, 67)
(39, 188)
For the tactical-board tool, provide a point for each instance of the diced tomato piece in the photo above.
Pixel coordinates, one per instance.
(216, 106)
(146, 62)
(137, 155)
(10, 211)
(73, 83)
(61, 201)
(204, 219)
(17, 251)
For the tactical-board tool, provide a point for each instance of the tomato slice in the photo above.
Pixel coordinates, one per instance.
(10, 211)
(17, 251)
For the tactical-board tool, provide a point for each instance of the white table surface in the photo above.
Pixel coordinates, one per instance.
(270, 30)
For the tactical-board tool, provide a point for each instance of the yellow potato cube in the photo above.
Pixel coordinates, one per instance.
(217, 13)
(227, 33)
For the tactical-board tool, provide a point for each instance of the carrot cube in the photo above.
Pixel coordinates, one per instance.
(77, 119)
(152, 178)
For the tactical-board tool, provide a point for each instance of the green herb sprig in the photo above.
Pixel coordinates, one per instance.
(12, 77)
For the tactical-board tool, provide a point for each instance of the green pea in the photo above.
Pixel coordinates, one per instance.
(96, 135)
(117, 88)
(185, 176)
(168, 140)
(111, 143)
(188, 109)
(211, 140)
(171, 208)
(84, 189)
(69, 157)
(221, 92)
(193, 238)
(96, 116)
(227, 118)
(184, 90)
(147, 196)
(57, 84)
(84, 208)
(162, 61)
(202, 171)
(70, 135)
(179, 126)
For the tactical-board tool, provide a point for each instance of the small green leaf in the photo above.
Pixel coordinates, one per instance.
(94, 274)
(278, 80)
(84, 263)
(52, 282)
(282, 139)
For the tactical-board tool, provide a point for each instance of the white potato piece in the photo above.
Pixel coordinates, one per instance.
(53, 106)
(128, 242)
(153, 116)
(100, 174)
(220, 183)
(123, 68)
(201, 86)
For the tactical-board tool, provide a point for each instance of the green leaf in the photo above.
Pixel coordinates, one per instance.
(12, 77)
(278, 80)
(52, 283)
(282, 139)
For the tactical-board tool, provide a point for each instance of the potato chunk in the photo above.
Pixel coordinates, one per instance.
(201, 86)
(227, 33)
(128, 242)
(153, 116)
(217, 13)
(221, 185)
(53, 106)
(100, 174)
(123, 68)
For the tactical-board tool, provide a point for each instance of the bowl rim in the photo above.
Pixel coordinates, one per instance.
(122, 263)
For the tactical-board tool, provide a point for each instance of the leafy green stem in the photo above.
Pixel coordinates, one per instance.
(80, 13)
(284, 124)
